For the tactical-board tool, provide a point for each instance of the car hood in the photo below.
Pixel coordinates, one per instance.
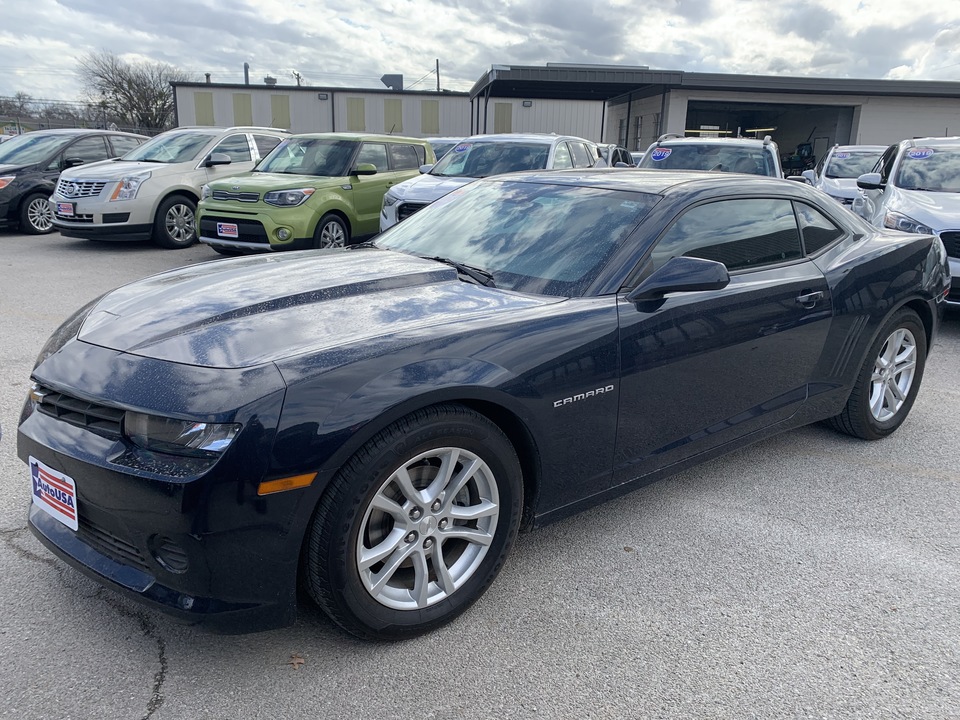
(427, 188)
(839, 187)
(249, 311)
(116, 169)
(262, 182)
(938, 210)
(16, 169)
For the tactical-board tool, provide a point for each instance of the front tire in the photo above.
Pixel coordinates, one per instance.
(889, 380)
(36, 217)
(174, 227)
(415, 527)
(331, 232)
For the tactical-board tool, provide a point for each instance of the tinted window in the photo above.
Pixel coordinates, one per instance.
(533, 237)
(480, 159)
(265, 143)
(310, 156)
(561, 157)
(581, 156)
(739, 233)
(711, 156)
(87, 150)
(403, 157)
(122, 145)
(885, 164)
(236, 146)
(818, 230)
(31, 148)
(851, 164)
(374, 154)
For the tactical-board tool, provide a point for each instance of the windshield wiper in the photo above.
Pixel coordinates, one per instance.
(480, 277)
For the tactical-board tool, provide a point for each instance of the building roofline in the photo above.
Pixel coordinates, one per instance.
(313, 88)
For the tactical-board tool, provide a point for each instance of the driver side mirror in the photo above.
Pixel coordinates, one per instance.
(870, 181)
(365, 169)
(681, 274)
(217, 158)
(424, 169)
(810, 176)
(70, 162)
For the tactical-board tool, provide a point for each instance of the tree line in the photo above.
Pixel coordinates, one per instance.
(129, 95)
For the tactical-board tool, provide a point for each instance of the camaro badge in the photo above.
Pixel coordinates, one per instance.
(583, 396)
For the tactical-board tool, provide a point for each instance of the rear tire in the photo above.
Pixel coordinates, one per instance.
(415, 527)
(888, 381)
(36, 217)
(174, 227)
(331, 232)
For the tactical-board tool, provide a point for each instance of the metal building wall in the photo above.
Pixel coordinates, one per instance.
(582, 118)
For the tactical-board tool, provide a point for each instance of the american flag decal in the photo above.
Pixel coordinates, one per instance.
(54, 493)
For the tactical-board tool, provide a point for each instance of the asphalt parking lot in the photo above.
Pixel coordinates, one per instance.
(809, 576)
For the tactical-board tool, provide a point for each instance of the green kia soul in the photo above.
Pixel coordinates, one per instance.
(312, 191)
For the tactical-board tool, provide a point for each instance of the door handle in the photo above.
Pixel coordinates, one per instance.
(808, 300)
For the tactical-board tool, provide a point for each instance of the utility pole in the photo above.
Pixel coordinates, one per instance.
(298, 76)
(438, 74)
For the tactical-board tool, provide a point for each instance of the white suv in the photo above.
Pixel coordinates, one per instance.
(480, 156)
(152, 191)
(915, 187)
(739, 155)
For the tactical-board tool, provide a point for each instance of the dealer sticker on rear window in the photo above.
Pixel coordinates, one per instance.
(841, 155)
(54, 493)
(920, 153)
(660, 154)
(462, 147)
(227, 230)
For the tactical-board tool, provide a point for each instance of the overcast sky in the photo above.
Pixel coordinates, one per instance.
(353, 42)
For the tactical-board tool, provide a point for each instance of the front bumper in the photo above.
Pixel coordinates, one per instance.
(97, 218)
(256, 231)
(953, 298)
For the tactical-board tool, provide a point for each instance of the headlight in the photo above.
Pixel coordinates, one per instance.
(6, 180)
(178, 437)
(389, 200)
(288, 198)
(128, 186)
(896, 221)
(205, 192)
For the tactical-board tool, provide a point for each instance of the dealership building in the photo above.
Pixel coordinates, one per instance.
(630, 106)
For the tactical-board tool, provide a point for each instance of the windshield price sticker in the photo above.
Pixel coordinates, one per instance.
(54, 493)
(920, 153)
(228, 230)
(462, 147)
(660, 154)
(841, 155)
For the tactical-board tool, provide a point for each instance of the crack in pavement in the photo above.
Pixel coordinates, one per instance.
(149, 630)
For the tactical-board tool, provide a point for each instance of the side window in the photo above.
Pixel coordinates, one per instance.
(122, 145)
(88, 150)
(817, 229)
(236, 146)
(403, 157)
(884, 165)
(581, 157)
(375, 154)
(265, 143)
(561, 157)
(742, 234)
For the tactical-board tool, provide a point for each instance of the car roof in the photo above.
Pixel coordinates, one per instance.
(749, 142)
(859, 148)
(657, 182)
(359, 137)
(79, 131)
(953, 141)
(545, 138)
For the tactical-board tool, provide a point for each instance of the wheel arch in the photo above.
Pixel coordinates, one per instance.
(332, 210)
(188, 192)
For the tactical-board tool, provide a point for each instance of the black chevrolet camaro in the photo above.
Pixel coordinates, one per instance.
(378, 423)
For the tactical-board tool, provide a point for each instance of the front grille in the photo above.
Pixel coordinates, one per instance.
(101, 419)
(106, 543)
(75, 218)
(80, 188)
(407, 209)
(951, 241)
(248, 197)
(250, 231)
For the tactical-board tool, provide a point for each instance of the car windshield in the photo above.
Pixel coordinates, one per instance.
(322, 157)
(936, 169)
(851, 163)
(480, 159)
(532, 237)
(711, 156)
(31, 148)
(441, 148)
(174, 147)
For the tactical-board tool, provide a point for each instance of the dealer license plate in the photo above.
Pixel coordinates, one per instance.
(54, 493)
(228, 230)
(65, 209)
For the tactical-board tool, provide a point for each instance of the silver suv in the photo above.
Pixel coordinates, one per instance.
(739, 155)
(152, 191)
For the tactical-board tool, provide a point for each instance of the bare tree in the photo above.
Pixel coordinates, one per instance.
(135, 94)
(20, 105)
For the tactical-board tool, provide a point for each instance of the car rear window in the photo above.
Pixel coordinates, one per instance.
(707, 156)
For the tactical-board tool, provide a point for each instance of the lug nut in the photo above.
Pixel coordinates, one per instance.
(416, 513)
(443, 524)
(411, 537)
(436, 506)
(428, 543)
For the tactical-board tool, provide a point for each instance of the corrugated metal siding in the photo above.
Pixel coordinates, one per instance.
(581, 118)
